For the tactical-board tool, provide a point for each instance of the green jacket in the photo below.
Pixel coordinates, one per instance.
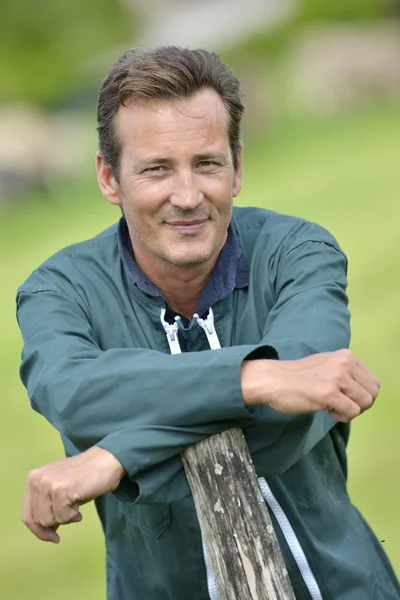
(97, 364)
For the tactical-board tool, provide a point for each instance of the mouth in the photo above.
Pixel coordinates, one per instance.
(187, 226)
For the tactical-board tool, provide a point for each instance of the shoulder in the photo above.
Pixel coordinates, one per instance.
(74, 263)
(269, 232)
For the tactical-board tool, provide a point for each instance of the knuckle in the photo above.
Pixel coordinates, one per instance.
(337, 377)
(57, 488)
(345, 357)
(37, 477)
(32, 477)
(345, 354)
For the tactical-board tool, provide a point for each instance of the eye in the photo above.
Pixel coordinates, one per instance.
(207, 163)
(156, 169)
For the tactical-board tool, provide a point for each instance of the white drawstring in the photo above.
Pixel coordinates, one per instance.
(291, 539)
(211, 585)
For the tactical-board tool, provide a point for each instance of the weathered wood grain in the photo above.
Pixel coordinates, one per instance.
(243, 551)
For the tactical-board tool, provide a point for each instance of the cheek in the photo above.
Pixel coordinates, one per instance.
(144, 200)
(217, 189)
(222, 201)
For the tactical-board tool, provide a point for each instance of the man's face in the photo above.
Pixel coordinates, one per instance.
(176, 178)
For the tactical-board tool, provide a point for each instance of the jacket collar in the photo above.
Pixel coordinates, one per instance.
(231, 270)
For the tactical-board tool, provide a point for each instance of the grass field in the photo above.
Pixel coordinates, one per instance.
(342, 173)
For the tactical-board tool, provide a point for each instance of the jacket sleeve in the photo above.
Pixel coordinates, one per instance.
(309, 315)
(142, 405)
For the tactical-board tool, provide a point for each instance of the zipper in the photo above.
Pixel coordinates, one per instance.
(172, 334)
(208, 326)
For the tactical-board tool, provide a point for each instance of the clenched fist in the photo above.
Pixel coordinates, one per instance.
(333, 381)
(55, 492)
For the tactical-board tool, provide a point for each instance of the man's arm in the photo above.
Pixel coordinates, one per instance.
(309, 315)
(142, 405)
(336, 382)
(74, 384)
(55, 492)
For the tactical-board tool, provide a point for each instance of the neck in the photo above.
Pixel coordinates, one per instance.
(180, 286)
(183, 290)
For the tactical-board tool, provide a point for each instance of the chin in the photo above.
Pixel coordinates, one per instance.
(190, 259)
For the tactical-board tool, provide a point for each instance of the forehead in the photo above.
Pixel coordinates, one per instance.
(201, 119)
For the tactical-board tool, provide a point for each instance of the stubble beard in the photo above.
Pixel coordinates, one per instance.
(187, 262)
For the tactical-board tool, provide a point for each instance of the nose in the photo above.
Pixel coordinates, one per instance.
(186, 193)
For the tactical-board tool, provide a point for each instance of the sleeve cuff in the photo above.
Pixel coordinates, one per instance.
(263, 352)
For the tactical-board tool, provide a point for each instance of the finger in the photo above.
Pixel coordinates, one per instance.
(358, 394)
(43, 513)
(77, 519)
(45, 534)
(344, 406)
(366, 379)
(337, 416)
(367, 372)
(35, 491)
(64, 511)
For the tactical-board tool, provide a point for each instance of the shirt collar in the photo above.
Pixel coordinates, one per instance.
(231, 270)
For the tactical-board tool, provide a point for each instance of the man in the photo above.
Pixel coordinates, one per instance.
(182, 275)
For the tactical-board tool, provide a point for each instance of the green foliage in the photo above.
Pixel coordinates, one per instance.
(46, 46)
(273, 42)
(340, 10)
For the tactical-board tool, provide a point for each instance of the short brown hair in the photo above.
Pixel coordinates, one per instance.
(166, 73)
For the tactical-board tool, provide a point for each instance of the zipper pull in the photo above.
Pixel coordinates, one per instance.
(172, 334)
(208, 326)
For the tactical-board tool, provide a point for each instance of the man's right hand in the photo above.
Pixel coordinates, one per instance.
(333, 381)
(55, 492)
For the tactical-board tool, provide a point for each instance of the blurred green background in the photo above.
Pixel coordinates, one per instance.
(330, 155)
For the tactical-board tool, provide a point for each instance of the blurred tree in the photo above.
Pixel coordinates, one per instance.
(46, 46)
(341, 10)
(274, 42)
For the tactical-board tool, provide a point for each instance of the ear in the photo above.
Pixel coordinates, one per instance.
(237, 178)
(107, 182)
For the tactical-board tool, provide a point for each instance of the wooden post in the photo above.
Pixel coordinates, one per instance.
(242, 548)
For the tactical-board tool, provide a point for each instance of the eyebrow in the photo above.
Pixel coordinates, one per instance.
(164, 160)
(208, 155)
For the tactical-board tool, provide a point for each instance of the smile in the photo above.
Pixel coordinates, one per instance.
(187, 227)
